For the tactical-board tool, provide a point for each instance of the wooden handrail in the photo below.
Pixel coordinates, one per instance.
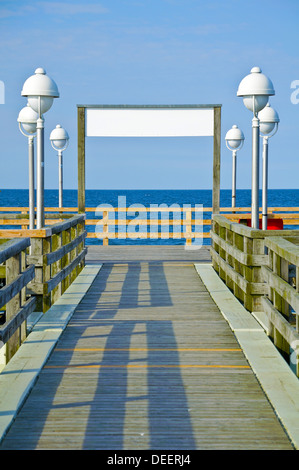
(58, 256)
(36, 272)
(282, 303)
(12, 248)
(13, 296)
(61, 226)
(261, 267)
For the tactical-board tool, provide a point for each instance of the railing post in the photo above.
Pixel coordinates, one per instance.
(66, 238)
(215, 229)
(12, 270)
(73, 253)
(231, 284)
(284, 274)
(40, 247)
(56, 266)
(105, 228)
(280, 305)
(23, 328)
(238, 242)
(46, 247)
(80, 230)
(188, 227)
(258, 248)
(222, 252)
(37, 250)
(270, 326)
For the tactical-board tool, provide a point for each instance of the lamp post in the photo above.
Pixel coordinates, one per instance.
(269, 120)
(234, 141)
(59, 140)
(27, 124)
(255, 90)
(40, 91)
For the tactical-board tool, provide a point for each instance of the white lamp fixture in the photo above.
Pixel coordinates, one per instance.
(27, 119)
(59, 140)
(40, 91)
(27, 124)
(269, 120)
(234, 141)
(255, 90)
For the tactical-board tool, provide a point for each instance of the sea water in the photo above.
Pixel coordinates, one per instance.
(146, 198)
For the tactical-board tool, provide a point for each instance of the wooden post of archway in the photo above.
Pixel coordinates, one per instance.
(216, 143)
(216, 159)
(81, 159)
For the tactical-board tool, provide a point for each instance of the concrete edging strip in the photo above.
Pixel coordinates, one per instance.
(279, 383)
(20, 374)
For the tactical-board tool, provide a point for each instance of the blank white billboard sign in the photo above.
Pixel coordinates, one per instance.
(149, 122)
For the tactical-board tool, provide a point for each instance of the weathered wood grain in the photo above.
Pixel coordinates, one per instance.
(9, 327)
(12, 248)
(16, 285)
(147, 362)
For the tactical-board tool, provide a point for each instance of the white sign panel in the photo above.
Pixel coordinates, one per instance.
(149, 122)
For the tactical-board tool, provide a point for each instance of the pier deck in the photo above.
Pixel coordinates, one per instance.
(147, 361)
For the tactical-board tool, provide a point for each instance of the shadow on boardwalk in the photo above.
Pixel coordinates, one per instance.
(99, 397)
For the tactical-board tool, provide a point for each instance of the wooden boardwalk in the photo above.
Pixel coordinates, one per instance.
(147, 362)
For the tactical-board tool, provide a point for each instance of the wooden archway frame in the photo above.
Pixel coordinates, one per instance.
(81, 110)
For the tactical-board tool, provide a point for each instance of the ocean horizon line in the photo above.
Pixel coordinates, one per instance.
(150, 189)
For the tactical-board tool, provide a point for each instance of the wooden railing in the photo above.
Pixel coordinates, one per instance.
(118, 223)
(58, 253)
(34, 273)
(261, 268)
(282, 303)
(15, 304)
(237, 255)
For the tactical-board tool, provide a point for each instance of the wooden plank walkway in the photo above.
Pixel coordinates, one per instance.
(147, 362)
(149, 253)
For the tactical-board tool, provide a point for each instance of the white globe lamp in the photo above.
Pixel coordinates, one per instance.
(59, 140)
(40, 91)
(269, 120)
(234, 141)
(255, 90)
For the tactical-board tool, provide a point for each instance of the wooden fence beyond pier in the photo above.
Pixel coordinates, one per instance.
(133, 223)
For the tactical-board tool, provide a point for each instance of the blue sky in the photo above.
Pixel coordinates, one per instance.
(149, 52)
